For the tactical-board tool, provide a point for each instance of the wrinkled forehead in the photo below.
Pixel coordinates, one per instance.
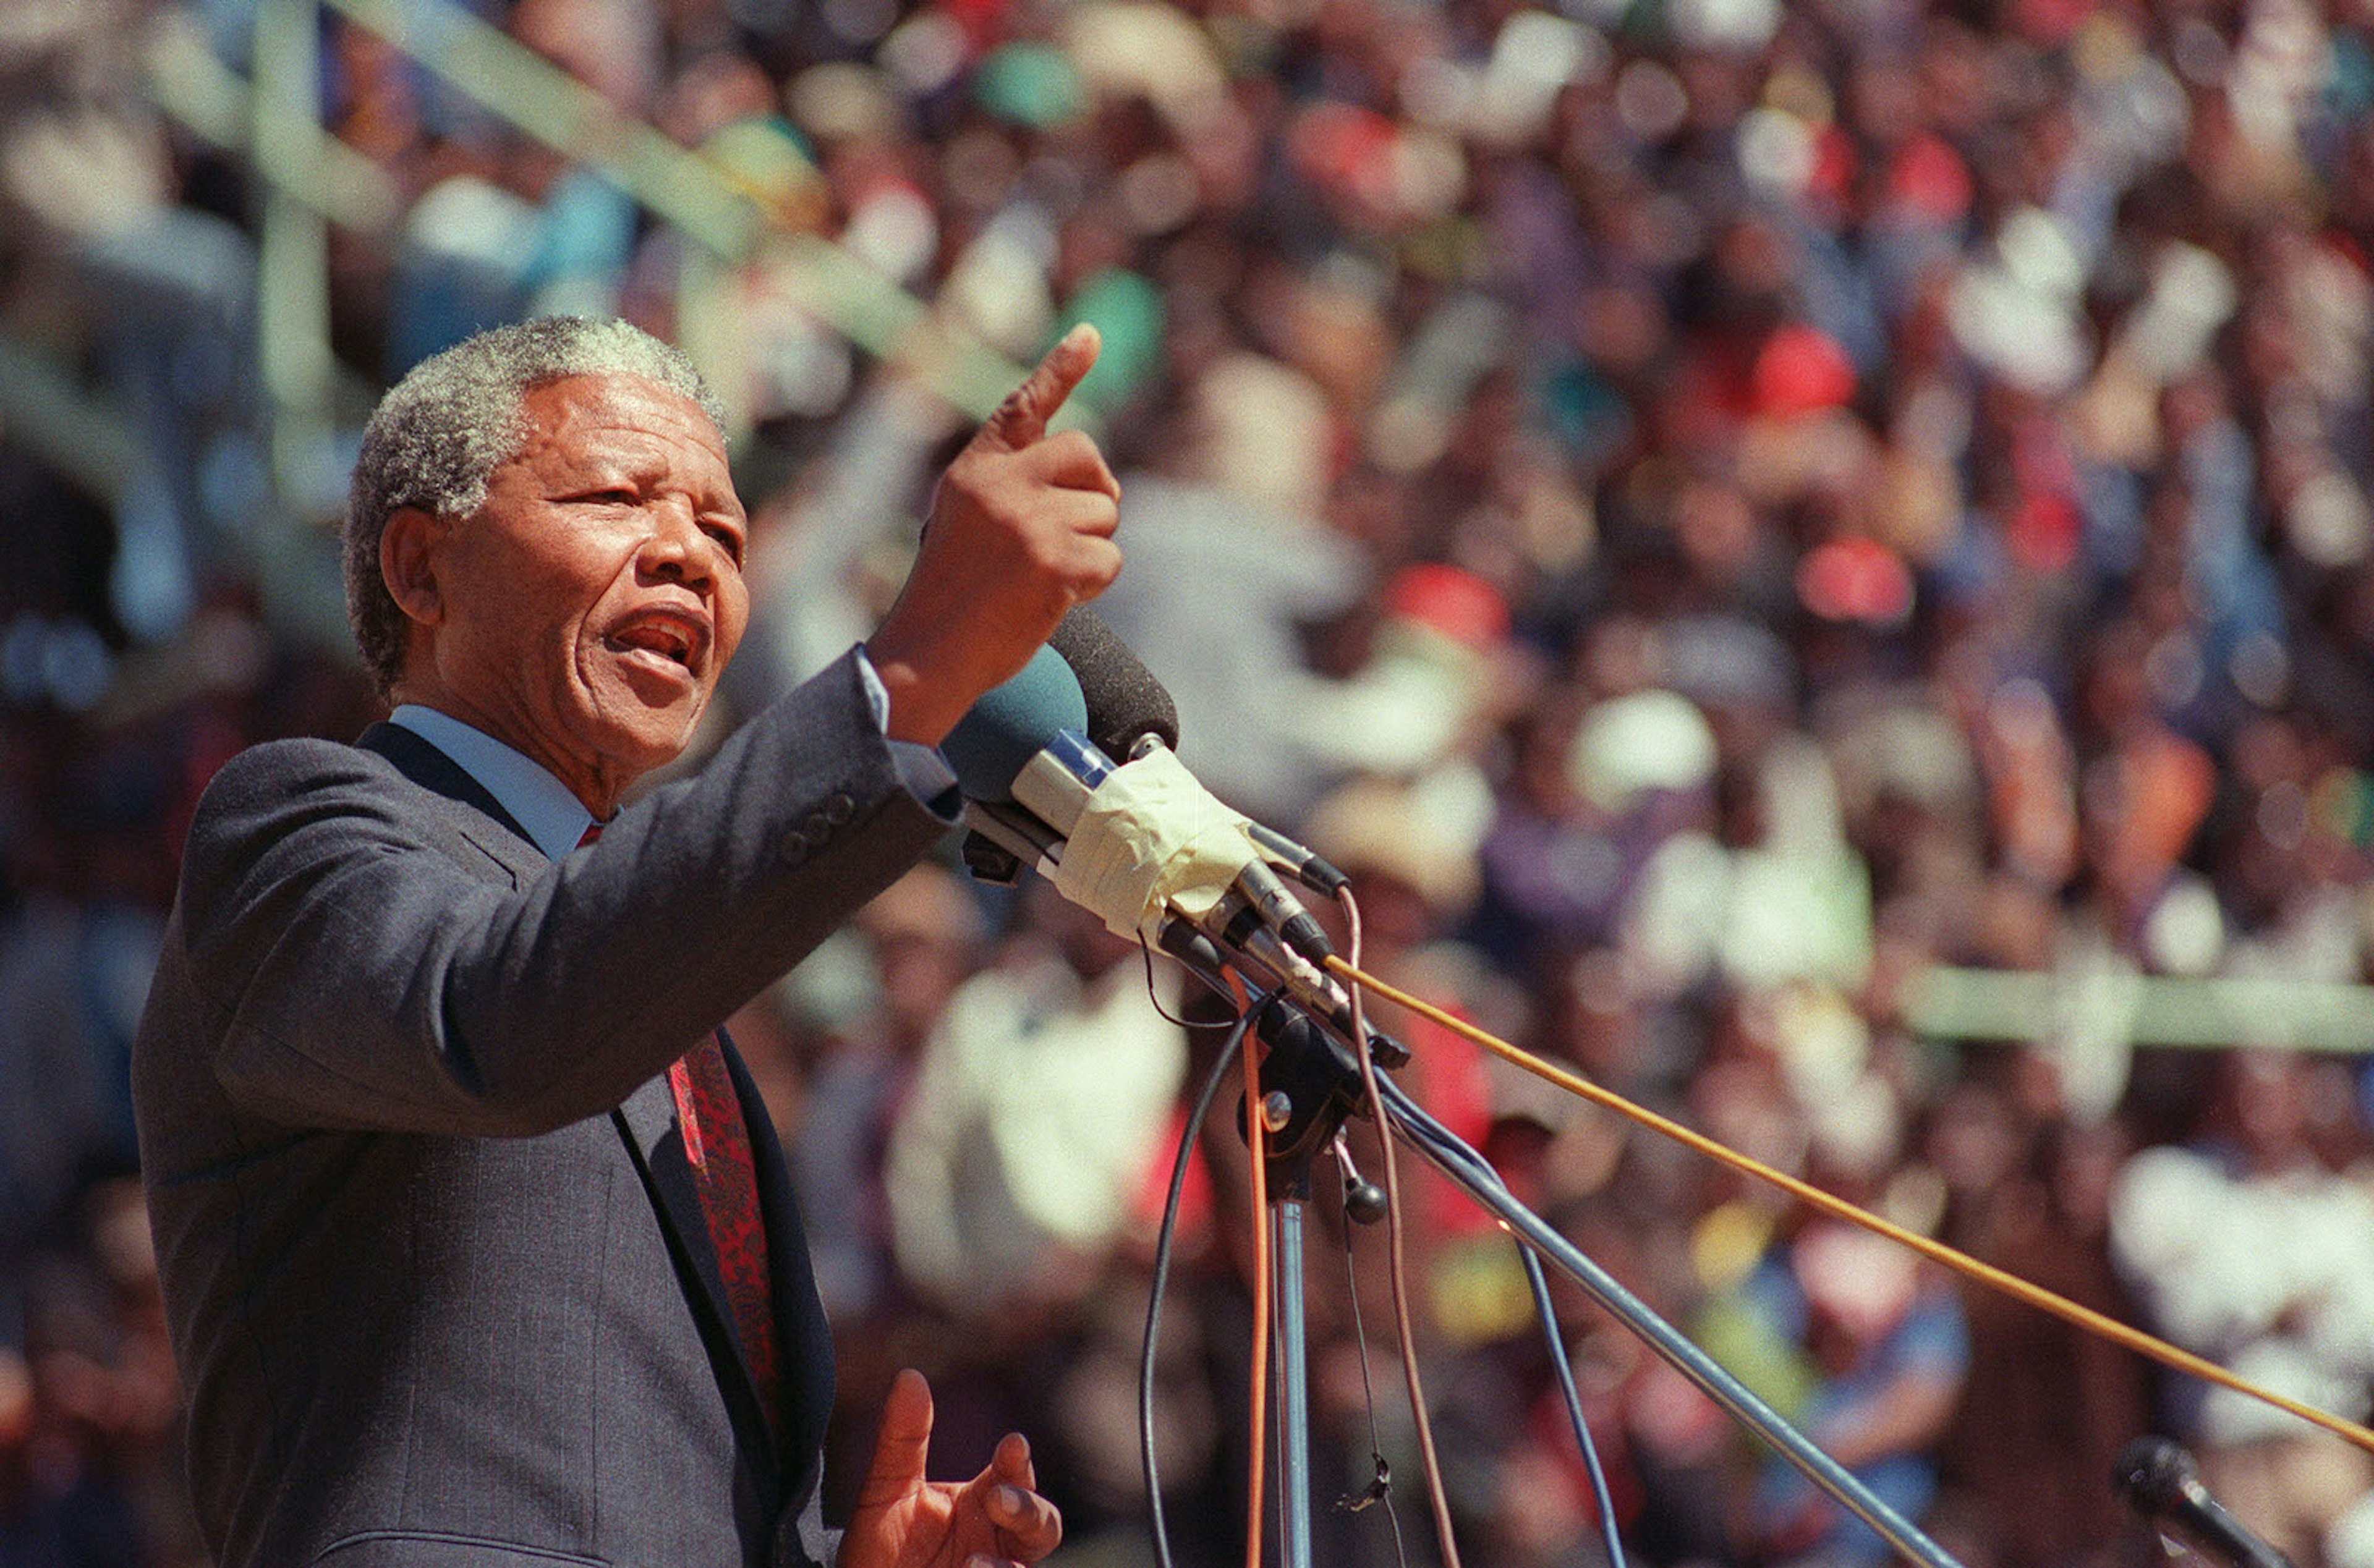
(587, 399)
(613, 412)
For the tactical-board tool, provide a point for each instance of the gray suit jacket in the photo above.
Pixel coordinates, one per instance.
(436, 1277)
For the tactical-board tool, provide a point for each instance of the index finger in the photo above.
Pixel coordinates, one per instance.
(1022, 418)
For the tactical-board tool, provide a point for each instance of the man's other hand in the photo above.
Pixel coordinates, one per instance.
(996, 1520)
(1021, 531)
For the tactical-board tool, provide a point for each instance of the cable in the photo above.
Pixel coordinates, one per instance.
(1380, 1490)
(1257, 1143)
(1152, 993)
(1465, 1167)
(1436, 1498)
(1160, 1284)
(1838, 1208)
(1547, 1314)
(1449, 1151)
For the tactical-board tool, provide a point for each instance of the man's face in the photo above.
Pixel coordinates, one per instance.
(585, 612)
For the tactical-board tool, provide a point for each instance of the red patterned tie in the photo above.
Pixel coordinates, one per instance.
(717, 1146)
(717, 1142)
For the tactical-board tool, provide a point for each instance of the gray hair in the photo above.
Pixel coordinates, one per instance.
(440, 432)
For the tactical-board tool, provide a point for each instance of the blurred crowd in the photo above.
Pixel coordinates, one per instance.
(1715, 512)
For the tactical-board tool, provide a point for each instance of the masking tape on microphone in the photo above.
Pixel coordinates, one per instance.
(1151, 839)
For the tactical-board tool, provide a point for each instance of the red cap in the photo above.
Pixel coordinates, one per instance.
(1457, 603)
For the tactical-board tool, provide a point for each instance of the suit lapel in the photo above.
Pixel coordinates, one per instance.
(421, 762)
(647, 1123)
(800, 1324)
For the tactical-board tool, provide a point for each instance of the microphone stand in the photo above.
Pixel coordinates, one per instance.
(1313, 1085)
(1310, 1085)
(1306, 1097)
(1293, 1380)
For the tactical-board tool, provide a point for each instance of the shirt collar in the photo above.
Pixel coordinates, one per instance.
(554, 819)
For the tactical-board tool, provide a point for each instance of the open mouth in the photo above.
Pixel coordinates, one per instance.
(665, 637)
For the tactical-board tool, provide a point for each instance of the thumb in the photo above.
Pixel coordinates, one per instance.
(1021, 419)
(905, 1441)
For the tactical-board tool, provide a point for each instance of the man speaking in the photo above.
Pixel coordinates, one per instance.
(476, 1243)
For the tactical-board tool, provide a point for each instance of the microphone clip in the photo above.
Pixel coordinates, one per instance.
(991, 862)
(1308, 1068)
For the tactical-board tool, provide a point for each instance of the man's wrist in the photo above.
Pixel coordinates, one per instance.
(913, 708)
(922, 770)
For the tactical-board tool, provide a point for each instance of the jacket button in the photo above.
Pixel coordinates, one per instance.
(839, 808)
(817, 829)
(795, 847)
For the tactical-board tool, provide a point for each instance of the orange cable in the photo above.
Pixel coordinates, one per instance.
(1984, 1273)
(1257, 1142)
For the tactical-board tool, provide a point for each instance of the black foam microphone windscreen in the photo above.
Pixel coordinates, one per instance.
(1126, 702)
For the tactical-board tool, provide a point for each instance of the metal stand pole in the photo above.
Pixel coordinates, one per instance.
(1305, 1099)
(1293, 1383)
(1320, 1084)
(1467, 1168)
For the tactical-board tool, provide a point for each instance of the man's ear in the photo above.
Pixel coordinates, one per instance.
(408, 563)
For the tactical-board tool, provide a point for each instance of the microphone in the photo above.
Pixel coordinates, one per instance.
(2158, 1480)
(1141, 844)
(1128, 709)
(1126, 702)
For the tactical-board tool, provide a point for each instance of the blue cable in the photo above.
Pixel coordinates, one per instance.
(1565, 1368)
